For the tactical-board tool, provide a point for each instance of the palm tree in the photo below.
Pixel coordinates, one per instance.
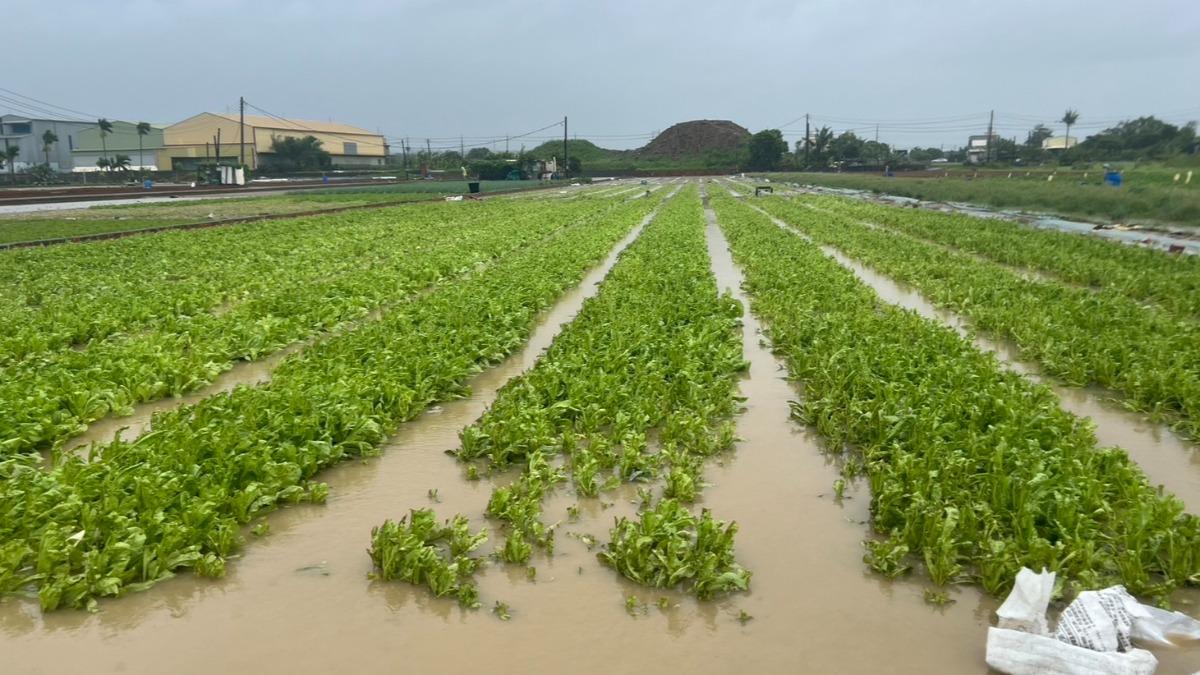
(106, 128)
(1070, 117)
(103, 164)
(120, 163)
(143, 128)
(49, 138)
(821, 144)
(10, 157)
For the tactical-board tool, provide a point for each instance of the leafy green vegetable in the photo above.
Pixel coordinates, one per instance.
(1079, 335)
(175, 497)
(667, 546)
(424, 554)
(974, 471)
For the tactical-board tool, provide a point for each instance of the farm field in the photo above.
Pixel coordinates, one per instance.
(1149, 195)
(778, 434)
(25, 226)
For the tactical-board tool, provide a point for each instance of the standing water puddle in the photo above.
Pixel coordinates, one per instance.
(817, 607)
(1045, 221)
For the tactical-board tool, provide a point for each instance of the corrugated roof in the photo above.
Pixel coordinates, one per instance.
(264, 122)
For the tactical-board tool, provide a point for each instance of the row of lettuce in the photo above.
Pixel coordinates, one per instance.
(176, 497)
(640, 388)
(65, 296)
(1080, 335)
(1167, 281)
(973, 470)
(381, 258)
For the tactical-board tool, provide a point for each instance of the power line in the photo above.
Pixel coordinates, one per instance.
(51, 105)
(300, 127)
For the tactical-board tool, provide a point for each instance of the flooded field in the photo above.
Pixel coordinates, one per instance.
(299, 597)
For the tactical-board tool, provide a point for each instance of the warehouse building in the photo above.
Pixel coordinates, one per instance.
(213, 137)
(124, 139)
(27, 133)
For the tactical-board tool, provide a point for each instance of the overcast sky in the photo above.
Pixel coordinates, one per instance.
(928, 72)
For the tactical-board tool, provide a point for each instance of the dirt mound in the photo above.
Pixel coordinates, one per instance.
(697, 137)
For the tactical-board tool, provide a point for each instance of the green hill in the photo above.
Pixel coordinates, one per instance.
(696, 145)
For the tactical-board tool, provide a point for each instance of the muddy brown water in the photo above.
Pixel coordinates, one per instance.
(299, 600)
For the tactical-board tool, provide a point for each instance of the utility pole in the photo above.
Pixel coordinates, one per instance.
(506, 144)
(876, 132)
(566, 164)
(806, 140)
(404, 153)
(218, 145)
(428, 157)
(988, 153)
(241, 131)
(462, 149)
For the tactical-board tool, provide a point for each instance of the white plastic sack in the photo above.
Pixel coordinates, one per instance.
(1025, 653)
(1090, 632)
(1025, 607)
(1099, 620)
(1163, 627)
(1018, 653)
(1094, 634)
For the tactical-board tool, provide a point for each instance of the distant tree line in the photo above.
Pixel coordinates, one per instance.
(1144, 138)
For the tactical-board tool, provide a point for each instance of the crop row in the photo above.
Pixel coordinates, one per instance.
(1082, 337)
(657, 349)
(176, 496)
(1171, 282)
(67, 296)
(973, 470)
(48, 399)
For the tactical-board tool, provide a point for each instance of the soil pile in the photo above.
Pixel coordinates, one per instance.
(697, 137)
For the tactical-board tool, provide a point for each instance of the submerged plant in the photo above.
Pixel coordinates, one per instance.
(418, 550)
(500, 609)
(667, 546)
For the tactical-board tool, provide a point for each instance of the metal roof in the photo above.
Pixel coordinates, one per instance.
(264, 122)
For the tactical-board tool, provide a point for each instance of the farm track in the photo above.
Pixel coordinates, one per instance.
(1166, 458)
(313, 561)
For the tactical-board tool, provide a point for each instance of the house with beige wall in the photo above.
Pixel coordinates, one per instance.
(209, 137)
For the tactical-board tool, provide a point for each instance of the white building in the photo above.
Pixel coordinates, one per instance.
(1059, 142)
